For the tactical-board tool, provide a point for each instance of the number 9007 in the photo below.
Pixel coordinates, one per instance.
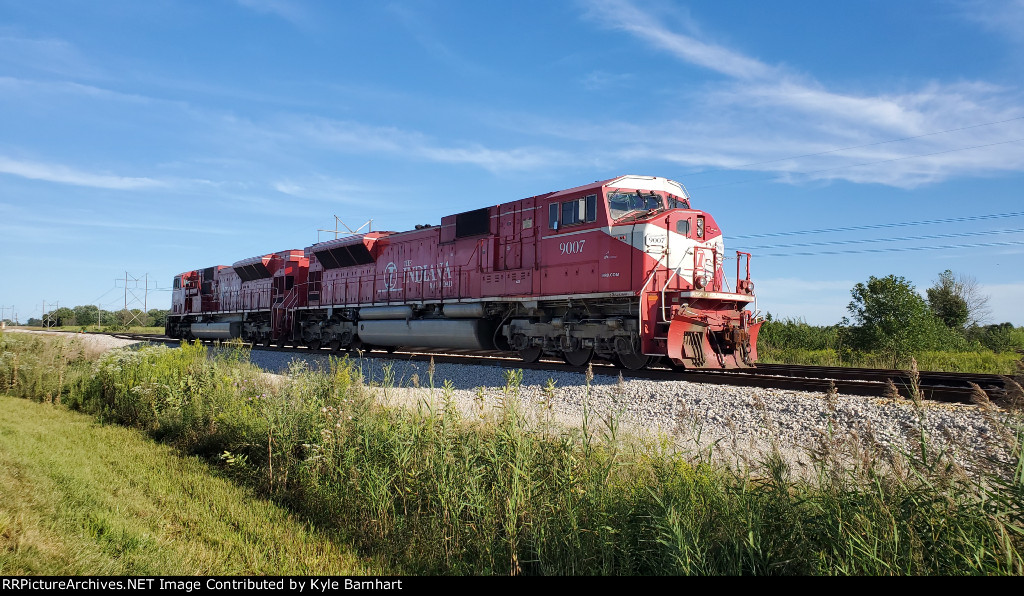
(571, 248)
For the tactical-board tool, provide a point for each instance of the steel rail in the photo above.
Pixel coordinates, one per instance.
(931, 386)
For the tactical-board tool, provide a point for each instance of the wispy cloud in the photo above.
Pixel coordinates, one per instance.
(624, 16)
(357, 137)
(65, 175)
(288, 10)
(420, 29)
(34, 88)
(1005, 17)
(74, 224)
(330, 189)
(53, 56)
(761, 113)
(599, 80)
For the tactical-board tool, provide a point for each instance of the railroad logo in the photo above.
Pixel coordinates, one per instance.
(431, 276)
(391, 277)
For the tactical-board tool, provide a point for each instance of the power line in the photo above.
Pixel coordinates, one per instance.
(875, 240)
(883, 225)
(97, 299)
(892, 249)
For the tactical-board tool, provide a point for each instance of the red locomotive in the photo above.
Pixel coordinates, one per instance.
(622, 269)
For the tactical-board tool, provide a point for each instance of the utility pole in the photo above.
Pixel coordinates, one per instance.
(128, 317)
(2, 309)
(47, 321)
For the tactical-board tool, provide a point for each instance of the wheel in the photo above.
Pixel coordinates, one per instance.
(631, 361)
(281, 342)
(531, 354)
(267, 342)
(313, 345)
(335, 346)
(578, 357)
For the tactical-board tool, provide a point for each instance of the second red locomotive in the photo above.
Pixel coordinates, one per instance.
(623, 269)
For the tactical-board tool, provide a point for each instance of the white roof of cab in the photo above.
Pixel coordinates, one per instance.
(632, 182)
(649, 183)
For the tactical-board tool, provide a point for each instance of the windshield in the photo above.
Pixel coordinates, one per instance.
(674, 203)
(621, 204)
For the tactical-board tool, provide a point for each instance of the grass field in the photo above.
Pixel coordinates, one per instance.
(432, 490)
(991, 350)
(985, 362)
(80, 498)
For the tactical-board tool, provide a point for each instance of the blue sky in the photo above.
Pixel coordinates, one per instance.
(161, 136)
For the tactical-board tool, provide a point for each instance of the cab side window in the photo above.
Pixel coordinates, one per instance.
(578, 211)
(569, 213)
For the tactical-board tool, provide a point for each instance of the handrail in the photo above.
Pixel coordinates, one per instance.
(700, 250)
(738, 253)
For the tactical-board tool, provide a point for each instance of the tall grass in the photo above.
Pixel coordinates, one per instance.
(42, 367)
(498, 491)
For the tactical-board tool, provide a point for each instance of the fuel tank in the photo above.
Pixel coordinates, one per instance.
(216, 330)
(460, 334)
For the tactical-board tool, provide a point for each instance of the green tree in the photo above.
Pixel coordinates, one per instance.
(85, 314)
(999, 338)
(157, 317)
(891, 317)
(946, 301)
(958, 301)
(107, 317)
(58, 317)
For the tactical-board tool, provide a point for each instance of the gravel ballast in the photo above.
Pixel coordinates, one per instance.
(736, 425)
(94, 341)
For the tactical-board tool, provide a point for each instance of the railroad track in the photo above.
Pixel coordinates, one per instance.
(932, 386)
